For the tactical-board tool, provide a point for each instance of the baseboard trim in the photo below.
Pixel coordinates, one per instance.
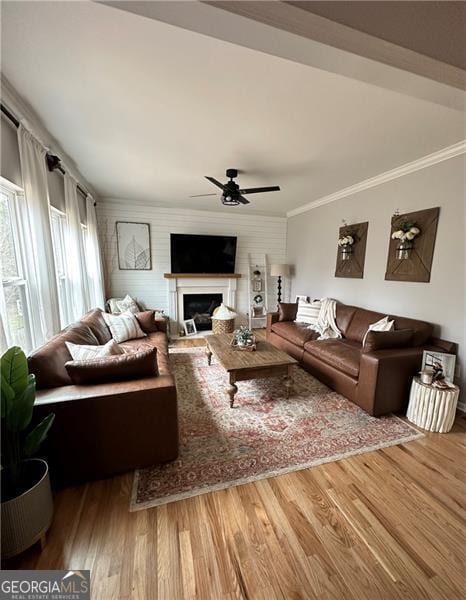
(461, 407)
(406, 169)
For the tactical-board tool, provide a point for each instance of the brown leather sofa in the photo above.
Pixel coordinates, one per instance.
(108, 428)
(377, 381)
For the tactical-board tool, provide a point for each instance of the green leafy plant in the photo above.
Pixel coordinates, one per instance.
(243, 335)
(18, 392)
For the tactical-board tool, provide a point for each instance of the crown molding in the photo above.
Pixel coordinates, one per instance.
(406, 169)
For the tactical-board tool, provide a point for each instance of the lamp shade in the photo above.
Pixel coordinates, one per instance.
(279, 270)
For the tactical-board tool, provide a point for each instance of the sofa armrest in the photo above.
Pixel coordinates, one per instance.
(162, 324)
(74, 393)
(271, 319)
(385, 378)
(106, 429)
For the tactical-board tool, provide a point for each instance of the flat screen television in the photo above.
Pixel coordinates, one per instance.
(202, 253)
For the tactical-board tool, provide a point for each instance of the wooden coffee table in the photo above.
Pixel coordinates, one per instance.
(266, 361)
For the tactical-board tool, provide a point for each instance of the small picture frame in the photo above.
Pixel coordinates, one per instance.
(440, 359)
(257, 285)
(189, 327)
(301, 299)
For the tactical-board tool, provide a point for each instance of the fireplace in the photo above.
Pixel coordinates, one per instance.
(221, 286)
(200, 308)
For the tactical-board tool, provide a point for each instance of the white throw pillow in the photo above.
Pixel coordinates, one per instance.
(127, 304)
(88, 352)
(308, 312)
(382, 325)
(124, 327)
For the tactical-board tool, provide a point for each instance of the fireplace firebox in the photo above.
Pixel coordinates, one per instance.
(200, 307)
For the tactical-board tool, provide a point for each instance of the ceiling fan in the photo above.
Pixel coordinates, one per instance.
(232, 194)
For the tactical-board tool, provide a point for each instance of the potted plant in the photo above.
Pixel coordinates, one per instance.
(26, 496)
(243, 336)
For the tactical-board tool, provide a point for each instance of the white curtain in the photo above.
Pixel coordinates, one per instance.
(78, 288)
(38, 247)
(6, 339)
(94, 257)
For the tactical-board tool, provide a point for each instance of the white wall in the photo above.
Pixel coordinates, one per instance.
(312, 250)
(256, 235)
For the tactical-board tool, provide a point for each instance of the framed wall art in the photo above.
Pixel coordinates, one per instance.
(440, 361)
(412, 242)
(351, 250)
(133, 246)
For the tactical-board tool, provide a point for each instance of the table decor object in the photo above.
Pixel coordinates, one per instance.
(433, 407)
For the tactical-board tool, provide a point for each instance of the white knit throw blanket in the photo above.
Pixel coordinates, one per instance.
(326, 325)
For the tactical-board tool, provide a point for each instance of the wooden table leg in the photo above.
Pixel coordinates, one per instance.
(209, 355)
(288, 382)
(233, 388)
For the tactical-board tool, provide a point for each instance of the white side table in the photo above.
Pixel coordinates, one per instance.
(432, 408)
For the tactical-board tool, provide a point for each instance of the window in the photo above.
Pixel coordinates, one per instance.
(58, 221)
(14, 302)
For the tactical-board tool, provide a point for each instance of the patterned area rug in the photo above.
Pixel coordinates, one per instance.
(266, 434)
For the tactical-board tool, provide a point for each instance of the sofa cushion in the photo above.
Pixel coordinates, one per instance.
(308, 312)
(128, 304)
(89, 351)
(48, 362)
(134, 365)
(124, 327)
(147, 321)
(360, 322)
(287, 311)
(422, 331)
(384, 324)
(157, 339)
(296, 333)
(344, 314)
(343, 355)
(383, 340)
(95, 321)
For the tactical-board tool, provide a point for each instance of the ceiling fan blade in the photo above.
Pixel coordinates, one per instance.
(243, 200)
(215, 182)
(271, 188)
(200, 195)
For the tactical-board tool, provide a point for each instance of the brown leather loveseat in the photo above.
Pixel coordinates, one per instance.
(105, 428)
(376, 380)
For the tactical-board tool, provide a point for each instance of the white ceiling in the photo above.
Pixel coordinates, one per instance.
(146, 109)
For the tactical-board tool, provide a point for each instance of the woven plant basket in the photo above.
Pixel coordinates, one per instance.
(223, 326)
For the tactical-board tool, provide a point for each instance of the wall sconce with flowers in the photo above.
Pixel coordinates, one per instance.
(406, 234)
(346, 246)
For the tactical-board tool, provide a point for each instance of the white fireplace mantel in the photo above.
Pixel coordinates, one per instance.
(186, 283)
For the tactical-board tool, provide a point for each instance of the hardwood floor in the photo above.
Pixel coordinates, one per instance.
(382, 525)
(387, 524)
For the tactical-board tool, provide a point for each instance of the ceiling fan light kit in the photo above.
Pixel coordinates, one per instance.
(232, 194)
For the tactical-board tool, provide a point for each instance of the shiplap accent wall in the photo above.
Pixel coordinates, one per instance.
(256, 235)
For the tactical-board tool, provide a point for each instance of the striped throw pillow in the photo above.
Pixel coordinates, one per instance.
(88, 352)
(124, 327)
(308, 312)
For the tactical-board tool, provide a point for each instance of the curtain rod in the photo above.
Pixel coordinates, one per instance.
(16, 123)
